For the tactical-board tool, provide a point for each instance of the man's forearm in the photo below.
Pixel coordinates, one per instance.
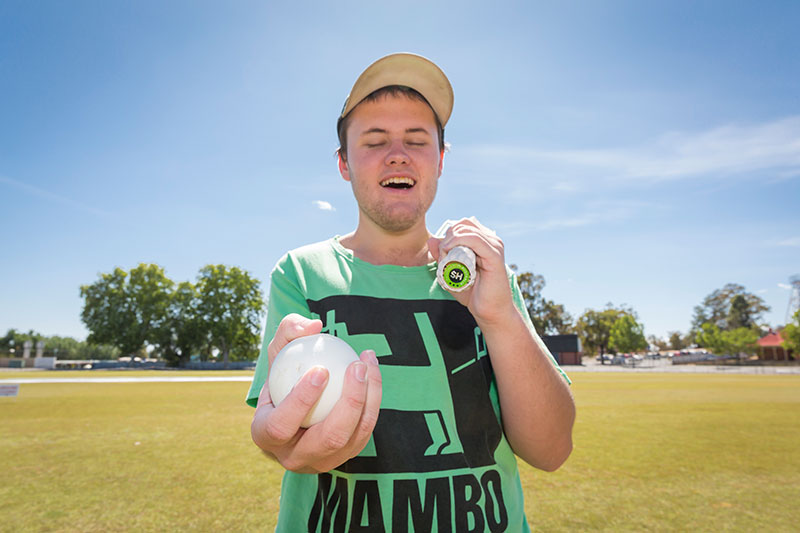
(536, 404)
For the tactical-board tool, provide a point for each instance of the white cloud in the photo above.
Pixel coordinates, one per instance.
(322, 205)
(785, 286)
(720, 152)
(792, 241)
(591, 213)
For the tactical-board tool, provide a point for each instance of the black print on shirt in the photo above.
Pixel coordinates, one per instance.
(453, 502)
(426, 345)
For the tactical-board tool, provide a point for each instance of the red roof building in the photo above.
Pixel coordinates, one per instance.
(770, 348)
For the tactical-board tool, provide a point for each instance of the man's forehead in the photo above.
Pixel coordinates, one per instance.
(400, 110)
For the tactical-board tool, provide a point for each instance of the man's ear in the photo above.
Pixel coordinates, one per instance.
(344, 170)
(441, 163)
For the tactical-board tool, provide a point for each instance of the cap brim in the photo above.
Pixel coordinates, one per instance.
(409, 70)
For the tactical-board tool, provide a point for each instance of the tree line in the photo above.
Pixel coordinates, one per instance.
(143, 310)
(728, 321)
(13, 342)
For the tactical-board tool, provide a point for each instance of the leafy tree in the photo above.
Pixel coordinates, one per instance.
(62, 347)
(104, 352)
(791, 335)
(739, 341)
(710, 337)
(230, 307)
(594, 327)
(627, 335)
(742, 341)
(677, 341)
(548, 317)
(15, 340)
(128, 311)
(184, 330)
(739, 313)
(55, 346)
(718, 309)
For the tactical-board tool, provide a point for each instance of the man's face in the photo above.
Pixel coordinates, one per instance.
(393, 161)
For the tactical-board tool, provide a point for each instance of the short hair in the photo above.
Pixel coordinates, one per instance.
(390, 90)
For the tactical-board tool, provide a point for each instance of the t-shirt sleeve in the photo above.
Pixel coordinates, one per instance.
(286, 296)
(519, 302)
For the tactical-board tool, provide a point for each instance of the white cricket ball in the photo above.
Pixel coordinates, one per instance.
(297, 357)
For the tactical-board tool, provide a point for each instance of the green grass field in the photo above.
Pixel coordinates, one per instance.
(653, 452)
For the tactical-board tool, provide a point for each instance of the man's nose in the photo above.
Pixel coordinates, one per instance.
(397, 154)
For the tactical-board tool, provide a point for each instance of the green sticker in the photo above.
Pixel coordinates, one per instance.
(456, 275)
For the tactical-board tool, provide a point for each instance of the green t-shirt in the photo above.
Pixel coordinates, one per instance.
(438, 459)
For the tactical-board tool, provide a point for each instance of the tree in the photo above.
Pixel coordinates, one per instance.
(739, 313)
(739, 341)
(55, 346)
(710, 337)
(184, 330)
(128, 311)
(742, 341)
(230, 307)
(791, 335)
(548, 317)
(718, 309)
(594, 327)
(677, 341)
(627, 335)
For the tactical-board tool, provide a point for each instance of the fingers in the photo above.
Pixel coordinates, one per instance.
(348, 428)
(342, 434)
(292, 327)
(279, 425)
(327, 441)
(470, 233)
(372, 406)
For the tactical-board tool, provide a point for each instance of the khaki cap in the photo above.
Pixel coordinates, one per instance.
(410, 70)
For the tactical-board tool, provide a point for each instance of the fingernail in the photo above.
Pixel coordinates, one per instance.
(361, 372)
(318, 376)
(372, 357)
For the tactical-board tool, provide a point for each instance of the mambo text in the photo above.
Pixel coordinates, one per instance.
(462, 503)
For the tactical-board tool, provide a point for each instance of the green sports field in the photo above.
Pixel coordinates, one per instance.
(653, 452)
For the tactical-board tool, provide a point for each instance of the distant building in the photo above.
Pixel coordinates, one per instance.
(770, 348)
(565, 348)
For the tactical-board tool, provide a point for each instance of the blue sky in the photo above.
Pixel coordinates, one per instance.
(640, 153)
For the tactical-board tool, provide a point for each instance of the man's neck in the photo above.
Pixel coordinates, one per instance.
(379, 247)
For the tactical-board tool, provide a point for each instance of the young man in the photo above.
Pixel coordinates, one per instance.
(449, 386)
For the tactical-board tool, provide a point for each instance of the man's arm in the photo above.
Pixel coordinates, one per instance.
(536, 404)
(537, 408)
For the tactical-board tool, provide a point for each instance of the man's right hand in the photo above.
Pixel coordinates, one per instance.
(343, 433)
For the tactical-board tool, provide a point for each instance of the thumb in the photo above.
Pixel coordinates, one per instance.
(433, 247)
(292, 327)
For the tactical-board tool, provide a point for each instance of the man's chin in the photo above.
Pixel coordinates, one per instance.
(398, 222)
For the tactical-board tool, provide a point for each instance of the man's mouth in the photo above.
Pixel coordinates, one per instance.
(399, 182)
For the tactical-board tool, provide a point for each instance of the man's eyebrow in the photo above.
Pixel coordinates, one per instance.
(409, 130)
(374, 130)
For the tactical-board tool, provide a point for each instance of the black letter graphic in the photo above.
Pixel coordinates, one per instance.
(366, 492)
(465, 506)
(406, 495)
(337, 502)
(494, 493)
